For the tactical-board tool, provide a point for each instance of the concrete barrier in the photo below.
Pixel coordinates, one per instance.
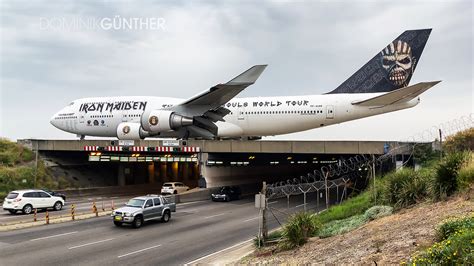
(194, 195)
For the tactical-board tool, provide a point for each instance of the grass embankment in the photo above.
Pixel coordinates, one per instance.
(436, 181)
(18, 170)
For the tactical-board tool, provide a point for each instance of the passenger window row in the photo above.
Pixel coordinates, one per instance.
(283, 112)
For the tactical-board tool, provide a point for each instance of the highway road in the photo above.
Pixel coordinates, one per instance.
(195, 230)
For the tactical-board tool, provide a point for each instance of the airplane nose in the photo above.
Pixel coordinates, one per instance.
(53, 121)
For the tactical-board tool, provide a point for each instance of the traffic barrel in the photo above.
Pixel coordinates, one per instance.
(94, 209)
(73, 212)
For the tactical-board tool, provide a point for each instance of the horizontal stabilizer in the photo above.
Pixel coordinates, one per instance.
(397, 96)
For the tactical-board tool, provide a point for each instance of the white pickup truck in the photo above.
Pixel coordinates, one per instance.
(141, 209)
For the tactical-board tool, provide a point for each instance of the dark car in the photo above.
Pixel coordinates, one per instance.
(54, 193)
(226, 193)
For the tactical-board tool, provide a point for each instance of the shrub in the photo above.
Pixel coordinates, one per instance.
(466, 177)
(455, 249)
(461, 141)
(342, 226)
(12, 153)
(405, 187)
(445, 180)
(298, 229)
(273, 236)
(451, 226)
(377, 212)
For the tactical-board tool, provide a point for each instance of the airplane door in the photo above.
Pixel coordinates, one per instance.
(330, 111)
(242, 118)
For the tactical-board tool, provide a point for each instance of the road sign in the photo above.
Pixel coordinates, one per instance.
(260, 201)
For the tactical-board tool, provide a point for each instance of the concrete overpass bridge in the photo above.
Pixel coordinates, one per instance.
(213, 162)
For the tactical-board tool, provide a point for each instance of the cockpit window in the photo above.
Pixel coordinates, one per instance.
(72, 103)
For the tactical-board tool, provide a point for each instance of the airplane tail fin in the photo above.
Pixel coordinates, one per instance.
(390, 69)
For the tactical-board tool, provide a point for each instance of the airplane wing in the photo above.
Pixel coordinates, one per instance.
(207, 108)
(222, 93)
(397, 96)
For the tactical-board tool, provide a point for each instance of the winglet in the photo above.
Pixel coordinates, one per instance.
(249, 76)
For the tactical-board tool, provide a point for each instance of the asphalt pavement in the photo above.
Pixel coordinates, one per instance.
(196, 230)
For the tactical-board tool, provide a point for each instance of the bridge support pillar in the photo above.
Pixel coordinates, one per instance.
(151, 173)
(121, 175)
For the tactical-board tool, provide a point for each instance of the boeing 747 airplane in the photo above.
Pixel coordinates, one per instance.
(380, 86)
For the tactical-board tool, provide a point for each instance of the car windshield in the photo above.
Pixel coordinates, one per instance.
(135, 203)
(12, 195)
(167, 185)
(224, 189)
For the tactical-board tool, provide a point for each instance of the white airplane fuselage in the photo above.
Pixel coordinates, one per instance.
(249, 117)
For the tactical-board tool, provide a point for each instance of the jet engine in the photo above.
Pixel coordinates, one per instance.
(131, 131)
(155, 121)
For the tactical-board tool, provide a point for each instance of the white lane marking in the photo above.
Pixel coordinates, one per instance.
(251, 219)
(92, 243)
(46, 237)
(134, 252)
(301, 205)
(272, 202)
(212, 216)
(217, 252)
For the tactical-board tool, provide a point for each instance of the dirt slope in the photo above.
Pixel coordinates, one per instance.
(388, 240)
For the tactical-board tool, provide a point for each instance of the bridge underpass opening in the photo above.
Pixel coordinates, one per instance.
(251, 169)
(136, 168)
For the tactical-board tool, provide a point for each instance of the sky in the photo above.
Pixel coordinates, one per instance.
(52, 52)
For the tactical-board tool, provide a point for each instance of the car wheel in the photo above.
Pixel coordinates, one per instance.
(138, 221)
(166, 217)
(12, 211)
(117, 223)
(27, 209)
(227, 198)
(175, 192)
(58, 206)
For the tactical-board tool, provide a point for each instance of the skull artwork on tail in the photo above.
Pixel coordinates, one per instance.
(398, 62)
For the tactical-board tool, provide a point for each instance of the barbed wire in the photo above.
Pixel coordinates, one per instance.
(347, 170)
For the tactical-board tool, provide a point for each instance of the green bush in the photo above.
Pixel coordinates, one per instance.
(456, 249)
(445, 180)
(377, 212)
(342, 226)
(298, 229)
(466, 177)
(353, 206)
(405, 187)
(461, 141)
(12, 153)
(451, 226)
(273, 236)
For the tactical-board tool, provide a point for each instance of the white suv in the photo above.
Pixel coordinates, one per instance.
(173, 188)
(30, 199)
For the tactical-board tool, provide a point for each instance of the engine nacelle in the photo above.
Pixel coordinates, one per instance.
(163, 121)
(131, 131)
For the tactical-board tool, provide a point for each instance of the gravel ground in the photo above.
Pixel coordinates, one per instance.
(389, 240)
